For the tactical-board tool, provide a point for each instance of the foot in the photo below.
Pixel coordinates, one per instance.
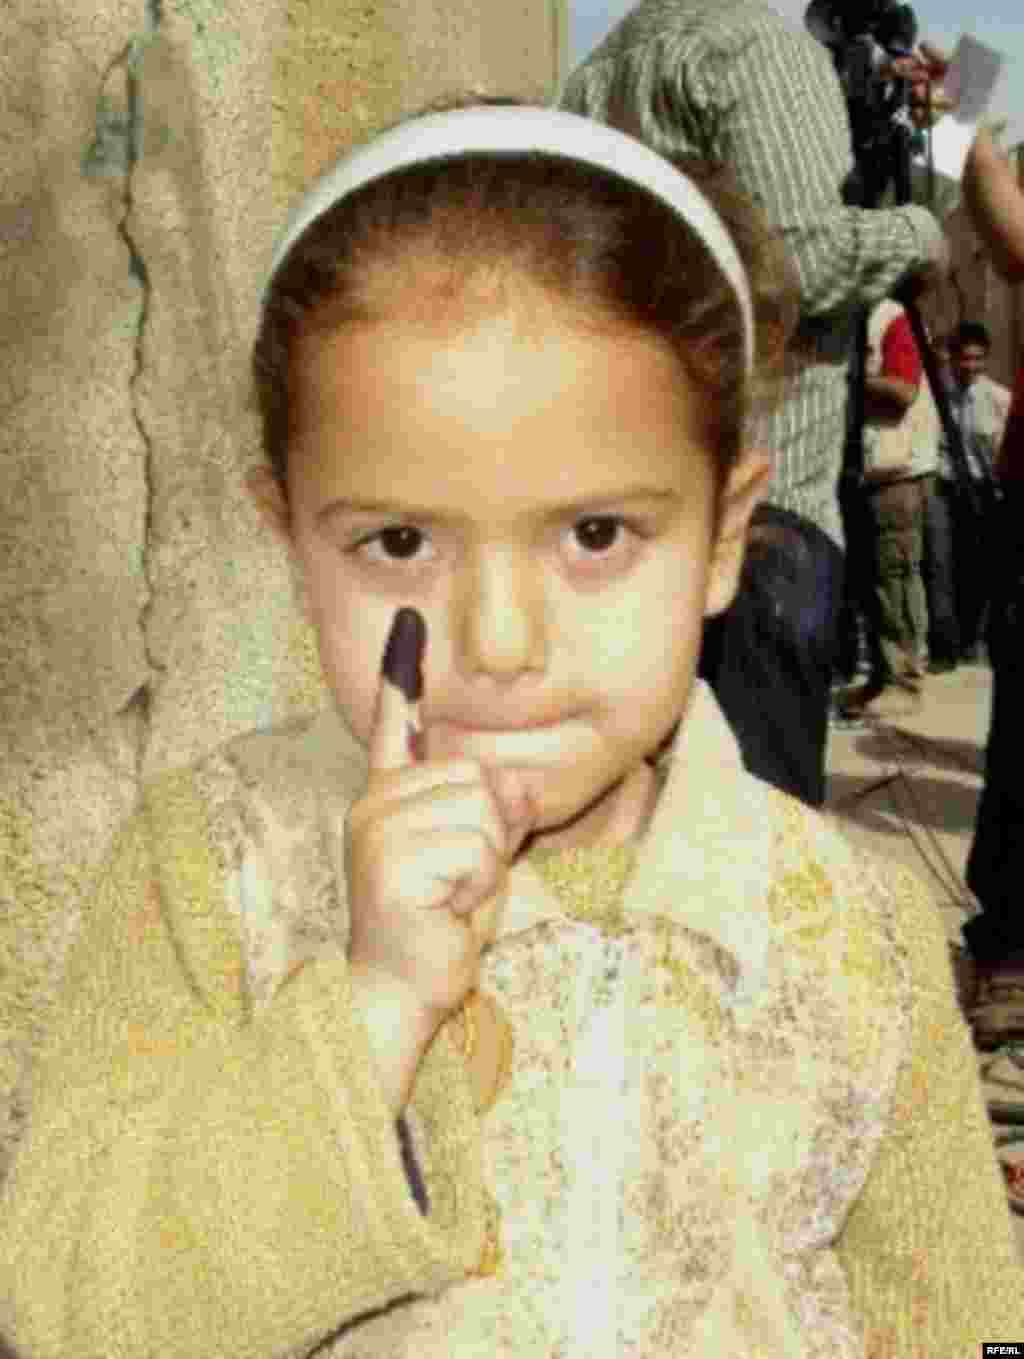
(840, 719)
(891, 700)
(857, 696)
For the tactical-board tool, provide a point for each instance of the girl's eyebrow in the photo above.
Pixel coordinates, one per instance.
(555, 509)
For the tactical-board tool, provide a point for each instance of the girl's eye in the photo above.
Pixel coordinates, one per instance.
(401, 542)
(398, 543)
(599, 535)
(599, 538)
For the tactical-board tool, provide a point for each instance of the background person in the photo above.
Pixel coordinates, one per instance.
(995, 865)
(937, 567)
(939, 584)
(735, 83)
(961, 565)
(900, 436)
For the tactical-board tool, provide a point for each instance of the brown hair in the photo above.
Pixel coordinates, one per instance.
(617, 256)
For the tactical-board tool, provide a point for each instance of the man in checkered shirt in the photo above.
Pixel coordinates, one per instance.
(732, 82)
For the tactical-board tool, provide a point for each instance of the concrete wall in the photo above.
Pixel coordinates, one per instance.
(150, 151)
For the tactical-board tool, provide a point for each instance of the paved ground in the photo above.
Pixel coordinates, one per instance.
(908, 788)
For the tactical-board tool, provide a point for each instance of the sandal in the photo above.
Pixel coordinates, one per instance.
(1005, 1069)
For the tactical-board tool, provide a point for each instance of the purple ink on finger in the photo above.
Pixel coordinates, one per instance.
(403, 656)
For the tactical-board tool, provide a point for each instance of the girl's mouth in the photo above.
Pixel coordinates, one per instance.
(540, 743)
(509, 720)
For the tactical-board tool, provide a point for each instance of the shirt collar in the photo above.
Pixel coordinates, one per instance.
(704, 861)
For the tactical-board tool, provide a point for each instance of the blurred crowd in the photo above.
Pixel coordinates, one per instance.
(919, 564)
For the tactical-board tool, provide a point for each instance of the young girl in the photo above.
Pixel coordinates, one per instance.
(497, 1010)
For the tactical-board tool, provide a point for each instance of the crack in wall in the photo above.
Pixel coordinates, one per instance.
(117, 150)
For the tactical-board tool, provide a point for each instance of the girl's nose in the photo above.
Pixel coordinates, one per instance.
(502, 616)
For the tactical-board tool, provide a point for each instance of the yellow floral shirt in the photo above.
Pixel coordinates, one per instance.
(738, 1112)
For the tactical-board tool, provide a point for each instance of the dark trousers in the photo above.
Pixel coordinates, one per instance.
(769, 657)
(995, 866)
(859, 598)
(958, 571)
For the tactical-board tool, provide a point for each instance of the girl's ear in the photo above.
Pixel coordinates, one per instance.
(273, 511)
(270, 503)
(745, 489)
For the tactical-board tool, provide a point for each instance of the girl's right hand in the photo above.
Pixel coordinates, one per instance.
(427, 849)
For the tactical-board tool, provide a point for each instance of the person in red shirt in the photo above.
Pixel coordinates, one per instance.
(995, 866)
(900, 441)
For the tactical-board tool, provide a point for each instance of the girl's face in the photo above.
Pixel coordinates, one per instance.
(539, 494)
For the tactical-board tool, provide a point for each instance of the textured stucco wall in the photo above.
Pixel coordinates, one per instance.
(150, 151)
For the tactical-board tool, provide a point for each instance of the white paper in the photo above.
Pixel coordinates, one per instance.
(951, 141)
(972, 76)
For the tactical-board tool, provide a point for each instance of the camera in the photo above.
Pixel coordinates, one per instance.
(862, 36)
(838, 23)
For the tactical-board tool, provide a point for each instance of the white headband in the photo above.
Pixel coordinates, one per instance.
(496, 129)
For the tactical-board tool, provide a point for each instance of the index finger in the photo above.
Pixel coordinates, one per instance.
(396, 725)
